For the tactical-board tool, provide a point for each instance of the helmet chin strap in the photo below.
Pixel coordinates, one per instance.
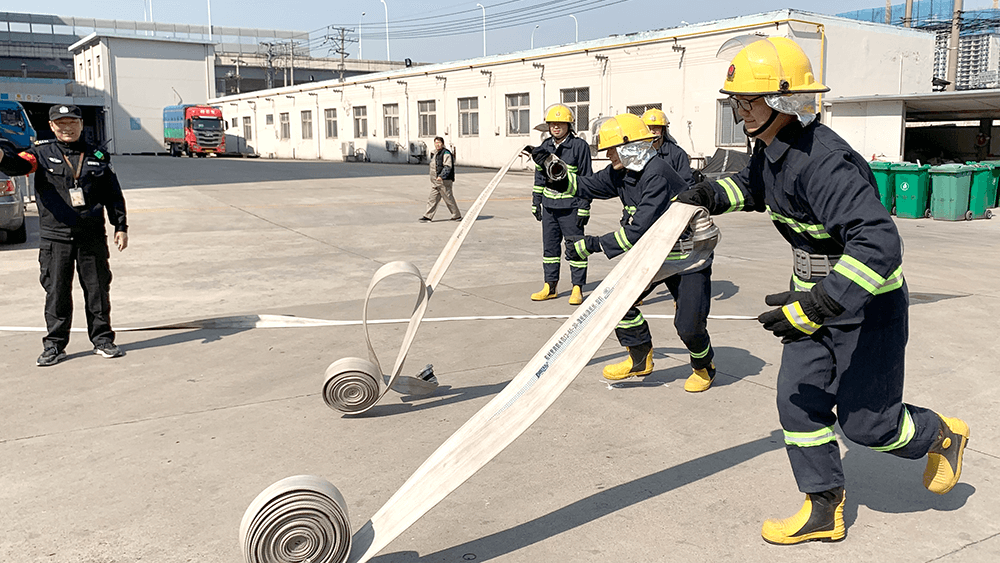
(762, 128)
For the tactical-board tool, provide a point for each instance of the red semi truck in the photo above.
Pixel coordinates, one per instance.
(193, 130)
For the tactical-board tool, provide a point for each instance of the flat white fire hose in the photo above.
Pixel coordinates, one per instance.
(354, 385)
(304, 518)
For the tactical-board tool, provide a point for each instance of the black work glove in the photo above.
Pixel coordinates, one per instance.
(536, 210)
(702, 195)
(800, 313)
(539, 154)
(558, 185)
(582, 220)
(578, 250)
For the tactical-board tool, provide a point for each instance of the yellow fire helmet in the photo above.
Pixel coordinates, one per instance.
(773, 65)
(621, 129)
(655, 116)
(558, 113)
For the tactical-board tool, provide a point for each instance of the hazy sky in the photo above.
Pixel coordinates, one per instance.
(450, 29)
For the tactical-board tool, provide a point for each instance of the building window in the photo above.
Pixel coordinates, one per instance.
(98, 66)
(391, 116)
(642, 108)
(235, 121)
(247, 129)
(729, 133)
(517, 114)
(307, 124)
(578, 100)
(81, 70)
(90, 70)
(360, 122)
(427, 113)
(286, 125)
(269, 119)
(331, 123)
(468, 116)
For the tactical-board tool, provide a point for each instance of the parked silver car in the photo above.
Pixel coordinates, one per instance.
(13, 229)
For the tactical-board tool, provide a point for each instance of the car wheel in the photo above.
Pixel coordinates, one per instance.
(18, 236)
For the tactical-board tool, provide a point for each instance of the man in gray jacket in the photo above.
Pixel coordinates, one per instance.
(442, 179)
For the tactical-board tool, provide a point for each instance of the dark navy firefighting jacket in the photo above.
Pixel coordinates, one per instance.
(822, 197)
(575, 152)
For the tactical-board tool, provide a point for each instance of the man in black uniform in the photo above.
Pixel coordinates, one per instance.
(74, 182)
(645, 184)
(844, 322)
(562, 215)
(666, 146)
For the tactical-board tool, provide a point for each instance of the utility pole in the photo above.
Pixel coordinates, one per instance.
(237, 62)
(340, 45)
(268, 65)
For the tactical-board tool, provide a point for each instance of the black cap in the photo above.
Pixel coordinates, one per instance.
(60, 111)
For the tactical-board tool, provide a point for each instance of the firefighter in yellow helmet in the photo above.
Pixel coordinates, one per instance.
(645, 184)
(666, 146)
(844, 322)
(562, 215)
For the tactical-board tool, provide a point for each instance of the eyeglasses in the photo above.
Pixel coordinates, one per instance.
(745, 105)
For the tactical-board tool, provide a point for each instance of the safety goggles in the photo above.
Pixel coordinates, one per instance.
(745, 105)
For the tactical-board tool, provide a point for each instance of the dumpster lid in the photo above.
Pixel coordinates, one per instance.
(951, 169)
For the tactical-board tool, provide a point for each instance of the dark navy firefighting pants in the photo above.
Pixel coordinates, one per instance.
(858, 370)
(692, 293)
(90, 258)
(557, 226)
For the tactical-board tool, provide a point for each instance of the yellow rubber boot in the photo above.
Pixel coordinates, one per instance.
(821, 518)
(576, 297)
(639, 362)
(944, 460)
(700, 379)
(548, 292)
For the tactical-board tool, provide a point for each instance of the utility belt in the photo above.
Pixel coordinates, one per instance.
(808, 266)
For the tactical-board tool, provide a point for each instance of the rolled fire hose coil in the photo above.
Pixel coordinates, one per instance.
(271, 524)
(354, 385)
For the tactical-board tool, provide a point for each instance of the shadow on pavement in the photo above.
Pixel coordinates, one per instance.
(596, 506)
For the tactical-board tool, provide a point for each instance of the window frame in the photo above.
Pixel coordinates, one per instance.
(285, 126)
(360, 122)
(390, 121)
(427, 118)
(307, 133)
(468, 117)
(247, 128)
(522, 110)
(330, 120)
(576, 106)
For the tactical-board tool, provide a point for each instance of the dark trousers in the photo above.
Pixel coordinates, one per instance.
(692, 293)
(857, 369)
(57, 260)
(557, 226)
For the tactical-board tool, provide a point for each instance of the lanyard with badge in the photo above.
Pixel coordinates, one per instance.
(76, 192)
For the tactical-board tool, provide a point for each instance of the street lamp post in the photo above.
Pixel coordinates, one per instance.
(484, 28)
(576, 24)
(209, 20)
(359, 35)
(533, 37)
(386, 6)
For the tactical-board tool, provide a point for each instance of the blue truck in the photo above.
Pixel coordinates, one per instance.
(14, 124)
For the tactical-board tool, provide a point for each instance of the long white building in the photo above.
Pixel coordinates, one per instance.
(486, 107)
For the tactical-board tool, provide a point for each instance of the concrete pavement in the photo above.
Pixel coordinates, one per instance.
(156, 455)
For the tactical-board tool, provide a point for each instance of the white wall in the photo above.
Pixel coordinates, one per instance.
(138, 79)
(872, 128)
(677, 68)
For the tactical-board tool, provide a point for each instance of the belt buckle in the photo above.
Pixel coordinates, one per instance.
(801, 266)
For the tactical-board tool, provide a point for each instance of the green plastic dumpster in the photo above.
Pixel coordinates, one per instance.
(983, 193)
(951, 185)
(912, 189)
(886, 181)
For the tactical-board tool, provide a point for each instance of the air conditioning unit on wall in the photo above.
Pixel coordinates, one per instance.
(392, 147)
(347, 149)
